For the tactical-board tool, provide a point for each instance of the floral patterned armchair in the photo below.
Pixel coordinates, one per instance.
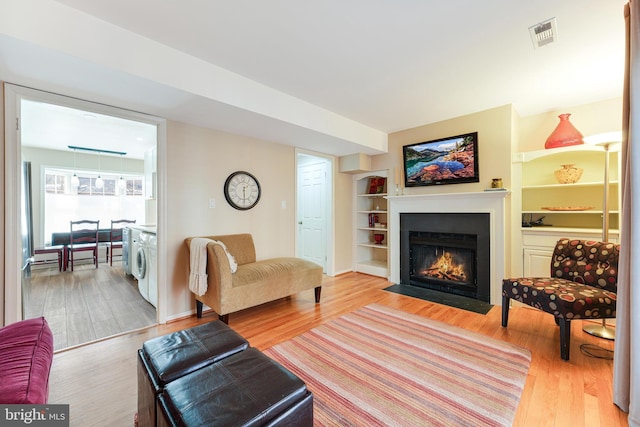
(583, 285)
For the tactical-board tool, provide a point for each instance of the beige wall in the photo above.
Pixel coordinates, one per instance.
(589, 119)
(495, 136)
(343, 221)
(198, 163)
(494, 142)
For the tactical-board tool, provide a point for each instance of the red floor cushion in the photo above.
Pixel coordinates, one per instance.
(26, 354)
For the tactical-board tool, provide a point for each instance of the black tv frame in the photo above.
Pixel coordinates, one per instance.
(449, 169)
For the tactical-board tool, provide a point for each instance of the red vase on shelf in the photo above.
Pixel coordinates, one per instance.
(564, 135)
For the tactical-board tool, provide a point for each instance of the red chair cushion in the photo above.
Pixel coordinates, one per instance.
(26, 354)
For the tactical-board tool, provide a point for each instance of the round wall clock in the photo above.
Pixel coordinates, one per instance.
(242, 190)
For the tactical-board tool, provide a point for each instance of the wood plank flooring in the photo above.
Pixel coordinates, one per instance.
(87, 304)
(99, 380)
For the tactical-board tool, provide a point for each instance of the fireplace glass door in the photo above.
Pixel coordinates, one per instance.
(444, 261)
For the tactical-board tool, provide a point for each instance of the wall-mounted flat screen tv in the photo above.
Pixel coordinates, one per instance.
(451, 160)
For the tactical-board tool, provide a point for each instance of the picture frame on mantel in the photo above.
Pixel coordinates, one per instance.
(451, 160)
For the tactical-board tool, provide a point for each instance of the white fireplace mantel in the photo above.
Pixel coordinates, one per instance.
(491, 202)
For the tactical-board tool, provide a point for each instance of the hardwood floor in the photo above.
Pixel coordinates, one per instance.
(87, 304)
(99, 380)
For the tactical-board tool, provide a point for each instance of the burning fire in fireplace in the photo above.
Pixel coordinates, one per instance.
(446, 268)
(446, 252)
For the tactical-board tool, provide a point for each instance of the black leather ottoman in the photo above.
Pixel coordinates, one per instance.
(245, 389)
(166, 358)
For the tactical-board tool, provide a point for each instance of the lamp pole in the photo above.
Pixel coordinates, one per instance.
(603, 331)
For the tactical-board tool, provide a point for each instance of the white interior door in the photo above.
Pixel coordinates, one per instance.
(312, 211)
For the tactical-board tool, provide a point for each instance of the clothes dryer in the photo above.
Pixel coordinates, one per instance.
(140, 264)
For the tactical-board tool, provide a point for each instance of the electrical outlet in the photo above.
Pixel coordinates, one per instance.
(212, 203)
(283, 204)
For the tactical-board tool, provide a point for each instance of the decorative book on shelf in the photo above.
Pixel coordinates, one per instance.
(376, 185)
(373, 220)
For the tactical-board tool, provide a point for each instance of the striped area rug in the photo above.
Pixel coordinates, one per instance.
(379, 366)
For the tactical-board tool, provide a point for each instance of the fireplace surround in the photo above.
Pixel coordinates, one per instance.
(448, 252)
(491, 203)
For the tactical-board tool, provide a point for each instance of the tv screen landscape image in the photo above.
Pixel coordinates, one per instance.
(451, 160)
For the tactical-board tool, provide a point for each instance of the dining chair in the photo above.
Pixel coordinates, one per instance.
(83, 238)
(115, 236)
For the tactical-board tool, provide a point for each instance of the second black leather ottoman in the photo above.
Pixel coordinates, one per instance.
(245, 389)
(169, 357)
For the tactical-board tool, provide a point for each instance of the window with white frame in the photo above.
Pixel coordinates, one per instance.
(116, 199)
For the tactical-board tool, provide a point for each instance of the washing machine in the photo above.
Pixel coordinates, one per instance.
(134, 245)
(144, 267)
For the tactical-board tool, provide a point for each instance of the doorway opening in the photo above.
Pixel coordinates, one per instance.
(88, 303)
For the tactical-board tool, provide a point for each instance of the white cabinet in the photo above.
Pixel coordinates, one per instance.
(370, 223)
(538, 245)
(537, 263)
(150, 173)
(550, 211)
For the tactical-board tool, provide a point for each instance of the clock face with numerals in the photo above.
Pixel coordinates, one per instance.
(242, 190)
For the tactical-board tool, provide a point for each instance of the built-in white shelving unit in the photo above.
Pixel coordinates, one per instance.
(370, 219)
(550, 210)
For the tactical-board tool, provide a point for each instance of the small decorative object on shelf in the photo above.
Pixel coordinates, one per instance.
(378, 238)
(373, 220)
(376, 185)
(568, 174)
(564, 135)
(496, 183)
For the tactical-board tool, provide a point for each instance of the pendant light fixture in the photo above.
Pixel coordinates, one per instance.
(75, 181)
(99, 181)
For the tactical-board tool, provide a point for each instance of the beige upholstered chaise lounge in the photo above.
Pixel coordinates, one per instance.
(254, 282)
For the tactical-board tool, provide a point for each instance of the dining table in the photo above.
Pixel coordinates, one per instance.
(63, 239)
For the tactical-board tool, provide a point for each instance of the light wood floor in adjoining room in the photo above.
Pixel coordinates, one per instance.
(99, 381)
(86, 304)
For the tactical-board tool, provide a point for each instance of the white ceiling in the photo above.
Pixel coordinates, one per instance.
(386, 64)
(58, 127)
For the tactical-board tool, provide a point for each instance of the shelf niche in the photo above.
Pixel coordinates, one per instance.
(540, 189)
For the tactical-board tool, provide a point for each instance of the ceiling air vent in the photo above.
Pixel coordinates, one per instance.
(544, 33)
